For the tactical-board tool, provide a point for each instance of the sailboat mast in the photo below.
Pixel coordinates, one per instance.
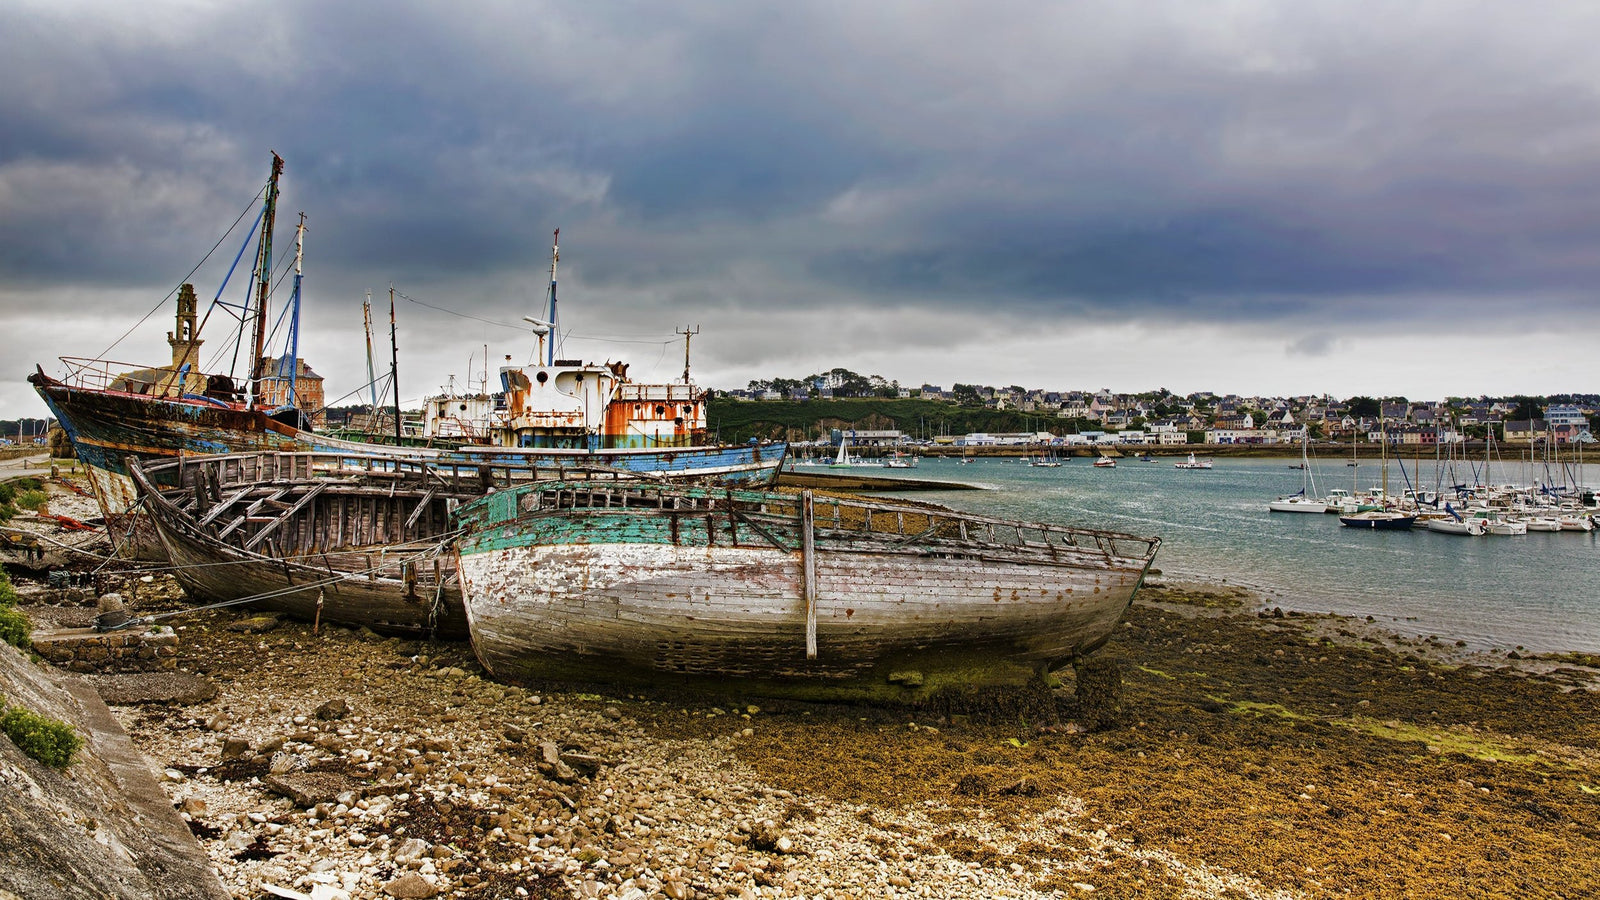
(264, 280)
(293, 397)
(372, 378)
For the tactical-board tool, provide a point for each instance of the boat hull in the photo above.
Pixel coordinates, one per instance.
(1298, 505)
(1467, 527)
(1381, 521)
(107, 427)
(673, 598)
(359, 560)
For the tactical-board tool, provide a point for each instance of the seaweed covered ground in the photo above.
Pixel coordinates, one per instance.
(1304, 754)
(1254, 754)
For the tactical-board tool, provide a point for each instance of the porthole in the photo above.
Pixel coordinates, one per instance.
(542, 377)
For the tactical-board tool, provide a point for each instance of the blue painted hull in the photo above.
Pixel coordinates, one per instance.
(108, 426)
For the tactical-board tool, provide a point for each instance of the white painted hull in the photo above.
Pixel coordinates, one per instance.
(1298, 505)
(739, 611)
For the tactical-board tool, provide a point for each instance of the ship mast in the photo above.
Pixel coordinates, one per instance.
(552, 320)
(264, 280)
(292, 398)
(372, 379)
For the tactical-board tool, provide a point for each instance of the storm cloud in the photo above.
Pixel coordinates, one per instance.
(1253, 197)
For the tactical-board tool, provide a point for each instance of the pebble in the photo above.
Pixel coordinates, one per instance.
(536, 787)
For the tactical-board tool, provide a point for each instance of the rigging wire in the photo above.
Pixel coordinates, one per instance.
(523, 327)
(163, 302)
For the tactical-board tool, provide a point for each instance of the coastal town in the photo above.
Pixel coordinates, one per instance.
(1162, 418)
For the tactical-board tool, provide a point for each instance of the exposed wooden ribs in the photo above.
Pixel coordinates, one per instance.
(284, 516)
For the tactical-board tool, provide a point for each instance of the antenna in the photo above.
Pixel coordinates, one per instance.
(687, 333)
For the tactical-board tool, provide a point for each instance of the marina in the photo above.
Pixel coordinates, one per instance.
(1539, 590)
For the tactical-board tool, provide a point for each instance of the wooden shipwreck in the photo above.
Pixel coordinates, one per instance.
(341, 538)
(792, 594)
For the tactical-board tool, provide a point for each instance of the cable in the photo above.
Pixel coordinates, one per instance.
(249, 206)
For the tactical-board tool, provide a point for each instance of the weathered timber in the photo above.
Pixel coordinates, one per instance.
(853, 597)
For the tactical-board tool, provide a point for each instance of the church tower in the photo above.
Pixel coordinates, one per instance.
(185, 343)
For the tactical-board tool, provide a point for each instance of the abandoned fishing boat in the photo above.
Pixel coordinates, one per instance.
(559, 412)
(792, 595)
(344, 539)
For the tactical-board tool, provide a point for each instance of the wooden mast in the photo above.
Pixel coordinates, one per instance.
(264, 281)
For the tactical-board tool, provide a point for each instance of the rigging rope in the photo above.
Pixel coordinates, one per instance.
(182, 281)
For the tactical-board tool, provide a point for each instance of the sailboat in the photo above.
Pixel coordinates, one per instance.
(1302, 501)
(845, 461)
(1385, 518)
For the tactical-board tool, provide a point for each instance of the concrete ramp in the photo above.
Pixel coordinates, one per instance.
(101, 828)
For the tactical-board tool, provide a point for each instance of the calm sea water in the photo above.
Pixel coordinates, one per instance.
(1540, 591)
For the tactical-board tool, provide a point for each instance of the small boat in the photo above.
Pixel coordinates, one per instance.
(1576, 522)
(339, 538)
(1543, 523)
(1497, 524)
(1193, 463)
(1453, 523)
(791, 595)
(898, 460)
(1381, 519)
(1146, 457)
(1105, 462)
(1298, 503)
(846, 460)
(1301, 501)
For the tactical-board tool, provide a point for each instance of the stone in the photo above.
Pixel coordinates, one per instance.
(132, 689)
(234, 747)
(410, 849)
(333, 709)
(410, 886)
(112, 611)
(255, 624)
(193, 806)
(284, 763)
(307, 789)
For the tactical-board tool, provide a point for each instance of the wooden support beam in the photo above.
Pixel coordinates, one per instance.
(298, 505)
(422, 506)
(222, 507)
(808, 559)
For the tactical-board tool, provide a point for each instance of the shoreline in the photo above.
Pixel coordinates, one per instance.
(1255, 756)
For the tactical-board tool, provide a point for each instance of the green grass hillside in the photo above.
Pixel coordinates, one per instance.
(740, 420)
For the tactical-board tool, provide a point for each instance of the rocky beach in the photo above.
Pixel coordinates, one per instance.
(1253, 753)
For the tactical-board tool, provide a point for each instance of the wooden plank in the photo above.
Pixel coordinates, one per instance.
(808, 555)
(222, 507)
(284, 517)
(422, 507)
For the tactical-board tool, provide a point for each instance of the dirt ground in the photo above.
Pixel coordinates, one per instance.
(1255, 754)
(1309, 753)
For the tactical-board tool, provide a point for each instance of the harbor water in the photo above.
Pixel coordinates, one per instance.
(1539, 591)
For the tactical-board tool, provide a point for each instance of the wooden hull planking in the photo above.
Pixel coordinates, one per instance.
(699, 595)
(341, 554)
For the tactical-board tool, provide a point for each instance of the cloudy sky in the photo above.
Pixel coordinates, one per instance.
(1274, 198)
